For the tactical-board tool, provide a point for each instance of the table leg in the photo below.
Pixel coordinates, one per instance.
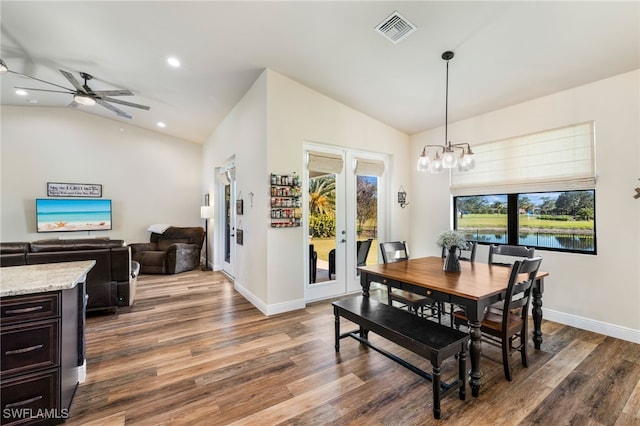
(474, 353)
(365, 283)
(536, 312)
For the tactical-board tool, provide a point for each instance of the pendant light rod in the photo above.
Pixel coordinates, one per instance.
(447, 56)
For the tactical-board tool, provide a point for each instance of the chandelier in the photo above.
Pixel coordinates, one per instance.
(445, 156)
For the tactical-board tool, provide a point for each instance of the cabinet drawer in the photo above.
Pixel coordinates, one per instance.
(33, 395)
(25, 347)
(26, 308)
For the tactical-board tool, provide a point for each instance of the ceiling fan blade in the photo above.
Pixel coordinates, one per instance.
(43, 90)
(118, 111)
(73, 81)
(37, 79)
(118, 92)
(131, 104)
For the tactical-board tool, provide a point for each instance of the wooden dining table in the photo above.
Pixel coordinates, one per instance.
(475, 287)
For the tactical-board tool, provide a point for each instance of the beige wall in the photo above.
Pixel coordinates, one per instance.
(601, 292)
(150, 178)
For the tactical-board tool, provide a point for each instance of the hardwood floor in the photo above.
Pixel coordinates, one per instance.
(193, 351)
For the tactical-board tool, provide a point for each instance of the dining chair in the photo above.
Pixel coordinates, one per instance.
(363, 251)
(503, 327)
(521, 252)
(468, 252)
(499, 255)
(396, 251)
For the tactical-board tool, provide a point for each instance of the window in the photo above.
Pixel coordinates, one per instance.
(544, 191)
(559, 221)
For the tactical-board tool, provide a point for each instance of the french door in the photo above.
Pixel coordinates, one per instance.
(344, 208)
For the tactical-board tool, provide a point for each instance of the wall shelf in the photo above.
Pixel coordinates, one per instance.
(286, 201)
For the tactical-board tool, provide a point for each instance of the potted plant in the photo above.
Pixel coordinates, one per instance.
(451, 240)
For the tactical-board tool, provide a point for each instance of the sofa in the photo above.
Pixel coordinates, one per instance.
(174, 250)
(111, 283)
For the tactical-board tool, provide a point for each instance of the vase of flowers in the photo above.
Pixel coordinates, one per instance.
(451, 240)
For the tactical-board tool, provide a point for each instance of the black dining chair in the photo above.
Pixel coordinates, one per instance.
(363, 248)
(497, 251)
(468, 252)
(504, 327)
(396, 251)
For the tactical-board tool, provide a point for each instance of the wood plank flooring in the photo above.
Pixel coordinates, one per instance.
(193, 351)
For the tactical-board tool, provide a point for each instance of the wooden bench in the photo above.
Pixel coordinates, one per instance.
(429, 339)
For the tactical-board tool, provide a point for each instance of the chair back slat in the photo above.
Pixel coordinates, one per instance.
(521, 252)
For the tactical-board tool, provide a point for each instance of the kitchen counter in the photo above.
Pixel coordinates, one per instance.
(42, 313)
(29, 279)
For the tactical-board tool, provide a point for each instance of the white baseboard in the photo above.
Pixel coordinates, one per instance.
(82, 372)
(600, 327)
(277, 308)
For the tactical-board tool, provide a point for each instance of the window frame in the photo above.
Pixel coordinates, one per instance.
(513, 219)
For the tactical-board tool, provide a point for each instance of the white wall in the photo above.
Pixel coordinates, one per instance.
(150, 178)
(266, 131)
(601, 292)
(243, 134)
(298, 114)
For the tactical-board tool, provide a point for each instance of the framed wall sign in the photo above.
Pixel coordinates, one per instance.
(56, 189)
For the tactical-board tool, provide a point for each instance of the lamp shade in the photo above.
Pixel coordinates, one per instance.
(206, 212)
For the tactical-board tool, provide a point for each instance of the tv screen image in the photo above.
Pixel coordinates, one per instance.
(56, 215)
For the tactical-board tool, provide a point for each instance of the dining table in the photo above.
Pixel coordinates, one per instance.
(474, 288)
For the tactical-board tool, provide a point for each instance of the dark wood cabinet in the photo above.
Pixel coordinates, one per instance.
(39, 355)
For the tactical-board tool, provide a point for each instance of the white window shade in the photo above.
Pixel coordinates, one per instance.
(369, 167)
(561, 159)
(325, 163)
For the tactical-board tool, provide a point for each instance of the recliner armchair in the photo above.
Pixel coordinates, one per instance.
(175, 250)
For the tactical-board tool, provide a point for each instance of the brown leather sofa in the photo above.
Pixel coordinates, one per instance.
(175, 250)
(110, 283)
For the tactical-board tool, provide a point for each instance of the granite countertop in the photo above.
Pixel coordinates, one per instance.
(28, 279)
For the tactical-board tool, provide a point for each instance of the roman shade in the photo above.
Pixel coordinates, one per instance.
(561, 159)
(369, 167)
(324, 162)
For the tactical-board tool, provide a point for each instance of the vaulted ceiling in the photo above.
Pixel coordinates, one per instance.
(505, 53)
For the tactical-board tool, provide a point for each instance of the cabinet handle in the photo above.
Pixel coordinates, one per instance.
(25, 402)
(23, 350)
(24, 310)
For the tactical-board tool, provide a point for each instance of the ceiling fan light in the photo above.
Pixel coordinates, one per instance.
(3, 67)
(84, 100)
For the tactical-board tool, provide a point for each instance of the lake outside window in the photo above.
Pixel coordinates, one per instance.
(559, 221)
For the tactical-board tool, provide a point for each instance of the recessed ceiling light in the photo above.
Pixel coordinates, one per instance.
(32, 101)
(174, 62)
(161, 124)
(21, 92)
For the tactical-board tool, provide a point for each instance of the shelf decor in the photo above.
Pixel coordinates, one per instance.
(286, 201)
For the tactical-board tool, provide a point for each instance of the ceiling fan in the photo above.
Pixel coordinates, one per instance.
(83, 94)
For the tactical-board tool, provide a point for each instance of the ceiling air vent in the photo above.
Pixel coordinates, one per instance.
(395, 27)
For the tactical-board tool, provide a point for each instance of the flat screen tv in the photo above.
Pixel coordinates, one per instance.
(57, 215)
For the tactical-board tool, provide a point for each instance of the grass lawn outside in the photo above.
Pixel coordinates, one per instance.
(499, 221)
(324, 245)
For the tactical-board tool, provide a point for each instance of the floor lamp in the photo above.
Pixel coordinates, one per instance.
(206, 213)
